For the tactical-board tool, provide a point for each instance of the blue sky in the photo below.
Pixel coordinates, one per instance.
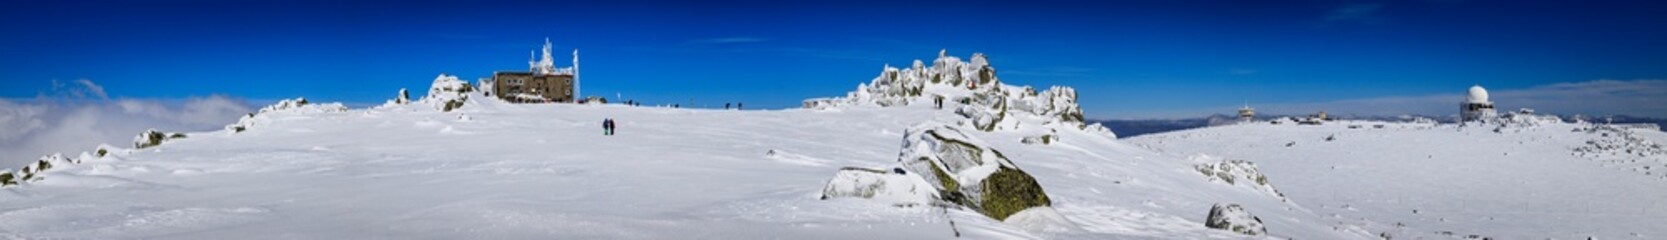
(1128, 59)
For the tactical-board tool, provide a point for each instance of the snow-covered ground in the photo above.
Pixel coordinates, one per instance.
(458, 164)
(495, 170)
(1527, 182)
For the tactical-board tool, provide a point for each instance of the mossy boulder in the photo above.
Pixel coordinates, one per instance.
(968, 173)
(1010, 190)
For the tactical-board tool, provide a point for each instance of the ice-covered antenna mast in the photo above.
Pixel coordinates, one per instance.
(576, 73)
(546, 65)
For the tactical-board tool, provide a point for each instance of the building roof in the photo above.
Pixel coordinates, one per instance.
(1477, 95)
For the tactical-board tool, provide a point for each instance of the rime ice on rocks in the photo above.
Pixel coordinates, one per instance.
(969, 88)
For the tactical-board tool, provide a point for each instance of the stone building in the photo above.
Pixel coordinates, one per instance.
(542, 82)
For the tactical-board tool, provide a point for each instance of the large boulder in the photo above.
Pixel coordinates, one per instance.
(968, 173)
(1231, 217)
(896, 187)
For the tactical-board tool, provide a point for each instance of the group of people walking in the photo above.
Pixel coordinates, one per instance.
(608, 127)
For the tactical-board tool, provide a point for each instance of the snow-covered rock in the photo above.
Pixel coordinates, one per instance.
(447, 93)
(403, 98)
(968, 172)
(971, 89)
(1417, 179)
(152, 138)
(298, 105)
(1235, 172)
(8, 178)
(898, 188)
(1231, 217)
(1043, 139)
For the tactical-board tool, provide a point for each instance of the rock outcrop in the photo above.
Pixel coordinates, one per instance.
(152, 138)
(1231, 217)
(447, 93)
(971, 89)
(967, 172)
(941, 165)
(403, 98)
(1235, 172)
(287, 106)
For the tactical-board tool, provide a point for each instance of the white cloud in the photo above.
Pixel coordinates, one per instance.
(76, 118)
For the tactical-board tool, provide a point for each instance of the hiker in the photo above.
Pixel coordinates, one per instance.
(726, 106)
(737, 106)
(608, 127)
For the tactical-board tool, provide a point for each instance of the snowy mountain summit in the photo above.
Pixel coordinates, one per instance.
(926, 152)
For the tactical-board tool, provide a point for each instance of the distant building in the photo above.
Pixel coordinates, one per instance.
(542, 82)
(1247, 114)
(1476, 106)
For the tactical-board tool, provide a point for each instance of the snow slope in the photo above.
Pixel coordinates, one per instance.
(494, 170)
(1519, 182)
(487, 169)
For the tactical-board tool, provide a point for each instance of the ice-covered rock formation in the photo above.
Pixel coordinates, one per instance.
(447, 93)
(971, 88)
